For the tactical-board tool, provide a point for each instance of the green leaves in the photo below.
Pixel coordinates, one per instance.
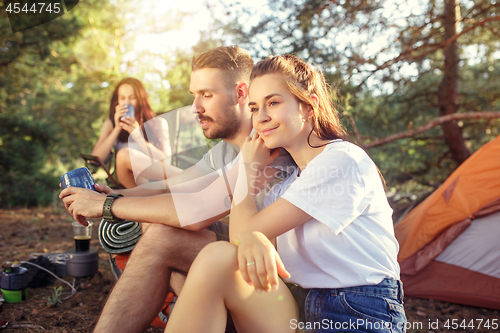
(24, 151)
(55, 298)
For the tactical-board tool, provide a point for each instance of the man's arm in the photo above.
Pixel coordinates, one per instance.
(84, 203)
(192, 211)
(182, 181)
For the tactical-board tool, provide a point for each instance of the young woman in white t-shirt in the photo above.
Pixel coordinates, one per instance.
(326, 230)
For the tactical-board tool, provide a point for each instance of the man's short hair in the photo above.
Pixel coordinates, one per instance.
(233, 60)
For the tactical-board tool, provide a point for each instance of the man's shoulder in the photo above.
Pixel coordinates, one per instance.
(223, 154)
(217, 157)
(221, 147)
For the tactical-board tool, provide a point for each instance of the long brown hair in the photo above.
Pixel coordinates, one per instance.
(143, 112)
(303, 81)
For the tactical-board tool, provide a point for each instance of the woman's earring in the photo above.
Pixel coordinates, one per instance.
(305, 120)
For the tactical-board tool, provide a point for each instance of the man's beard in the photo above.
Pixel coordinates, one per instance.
(226, 128)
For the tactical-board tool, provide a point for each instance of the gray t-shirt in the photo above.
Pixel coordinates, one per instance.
(222, 157)
(222, 154)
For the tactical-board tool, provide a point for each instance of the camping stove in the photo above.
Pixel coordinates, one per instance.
(82, 264)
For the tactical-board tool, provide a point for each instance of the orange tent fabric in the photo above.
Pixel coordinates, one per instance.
(471, 186)
(470, 194)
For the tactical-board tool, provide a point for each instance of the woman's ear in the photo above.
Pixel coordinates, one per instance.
(308, 109)
(315, 101)
(242, 92)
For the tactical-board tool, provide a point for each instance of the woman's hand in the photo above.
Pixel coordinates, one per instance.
(256, 154)
(120, 111)
(129, 124)
(259, 262)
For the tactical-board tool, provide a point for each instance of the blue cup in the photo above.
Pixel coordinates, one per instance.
(80, 177)
(130, 112)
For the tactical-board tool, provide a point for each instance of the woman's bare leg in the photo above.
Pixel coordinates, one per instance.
(124, 169)
(155, 172)
(214, 284)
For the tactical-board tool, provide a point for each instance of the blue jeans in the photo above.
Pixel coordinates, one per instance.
(376, 308)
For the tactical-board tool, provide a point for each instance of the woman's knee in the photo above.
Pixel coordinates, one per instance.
(123, 157)
(218, 256)
(124, 168)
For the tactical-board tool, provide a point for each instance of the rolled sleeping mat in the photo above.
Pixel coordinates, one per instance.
(119, 237)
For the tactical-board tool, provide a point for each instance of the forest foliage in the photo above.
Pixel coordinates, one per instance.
(394, 68)
(56, 82)
(397, 66)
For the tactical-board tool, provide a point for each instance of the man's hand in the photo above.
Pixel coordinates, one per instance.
(103, 189)
(82, 203)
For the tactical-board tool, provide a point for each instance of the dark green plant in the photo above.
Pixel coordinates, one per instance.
(25, 148)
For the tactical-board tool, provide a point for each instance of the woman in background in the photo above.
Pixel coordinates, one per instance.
(134, 149)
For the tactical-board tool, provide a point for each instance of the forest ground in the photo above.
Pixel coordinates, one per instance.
(47, 230)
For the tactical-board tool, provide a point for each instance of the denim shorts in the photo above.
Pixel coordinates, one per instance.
(376, 308)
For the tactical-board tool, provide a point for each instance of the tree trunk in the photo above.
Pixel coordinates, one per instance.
(448, 89)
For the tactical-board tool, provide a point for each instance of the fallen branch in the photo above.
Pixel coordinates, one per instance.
(433, 123)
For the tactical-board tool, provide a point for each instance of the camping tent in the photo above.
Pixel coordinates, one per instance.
(450, 243)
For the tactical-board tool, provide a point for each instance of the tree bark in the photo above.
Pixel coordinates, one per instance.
(449, 87)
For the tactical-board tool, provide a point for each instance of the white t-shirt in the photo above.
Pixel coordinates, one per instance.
(349, 240)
